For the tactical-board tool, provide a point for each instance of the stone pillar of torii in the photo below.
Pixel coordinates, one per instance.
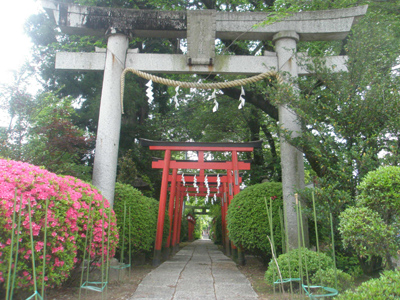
(201, 28)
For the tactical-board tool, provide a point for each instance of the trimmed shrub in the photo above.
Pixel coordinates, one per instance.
(327, 278)
(248, 222)
(372, 226)
(380, 191)
(67, 216)
(143, 220)
(364, 231)
(289, 264)
(383, 288)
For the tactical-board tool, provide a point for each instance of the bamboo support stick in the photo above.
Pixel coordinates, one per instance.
(316, 237)
(84, 251)
(16, 254)
(333, 249)
(32, 249)
(44, 246)
(11, 249)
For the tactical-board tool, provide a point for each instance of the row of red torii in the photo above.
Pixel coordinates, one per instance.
(224, 185)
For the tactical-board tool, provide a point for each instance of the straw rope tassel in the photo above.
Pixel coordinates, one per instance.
(197, 85)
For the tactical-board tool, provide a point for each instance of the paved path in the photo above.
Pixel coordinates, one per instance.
(198, 271)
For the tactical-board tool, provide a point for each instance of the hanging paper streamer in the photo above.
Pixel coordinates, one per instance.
(206, 200)
(149, 91)
(176, 97)
(195, 181)
(214, 97)
(183, 179)
(206, 184)
(218, 182)
(187, 196)
(241, 99)
(197, 189)
(215, 198)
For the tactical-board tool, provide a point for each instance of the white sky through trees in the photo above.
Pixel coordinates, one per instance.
(15, 46)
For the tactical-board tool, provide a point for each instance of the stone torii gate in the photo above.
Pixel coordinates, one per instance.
(201, 28)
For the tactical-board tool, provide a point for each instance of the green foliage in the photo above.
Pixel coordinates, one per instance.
(350, 117)
(380, 191)
(291, 266)
(216, 230)
(43, 133)
(347, 261)
(216, 224)
(365, 231)
(383, 288)
(371, 227)
(184, 230)
(143, 219)
(326, 278)
(128, 174)
(248, 222)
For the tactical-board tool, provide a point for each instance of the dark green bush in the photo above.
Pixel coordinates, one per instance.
(216, 224)
(365, 231)
(184, 230)
(143, 219)
(383, 288)
(380, 191)
(248, 222)
(370, 228)
(289, 264)
(327, 278)
(216, 230)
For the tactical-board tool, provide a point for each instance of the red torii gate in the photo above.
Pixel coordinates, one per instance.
(230, 185)
(221, 192)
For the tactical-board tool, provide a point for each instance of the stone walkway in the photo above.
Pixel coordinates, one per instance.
(198, 271)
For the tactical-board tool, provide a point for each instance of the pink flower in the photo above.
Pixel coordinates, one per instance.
(39, 246)
(69, 200)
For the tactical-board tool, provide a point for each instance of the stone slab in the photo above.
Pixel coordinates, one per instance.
(90, 20)
(176, 63)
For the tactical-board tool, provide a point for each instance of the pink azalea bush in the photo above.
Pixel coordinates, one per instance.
(67, 223)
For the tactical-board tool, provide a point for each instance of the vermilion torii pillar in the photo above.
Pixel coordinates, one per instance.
(166, 164)
(201, 28)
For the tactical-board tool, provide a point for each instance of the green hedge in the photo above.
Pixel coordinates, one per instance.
(383, 288)
(248, 222)
(143, 220)
(289, 264)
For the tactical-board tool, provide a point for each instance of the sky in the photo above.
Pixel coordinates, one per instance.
(15, 45)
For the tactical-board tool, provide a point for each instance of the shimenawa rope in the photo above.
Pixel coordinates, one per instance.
(197, 85)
